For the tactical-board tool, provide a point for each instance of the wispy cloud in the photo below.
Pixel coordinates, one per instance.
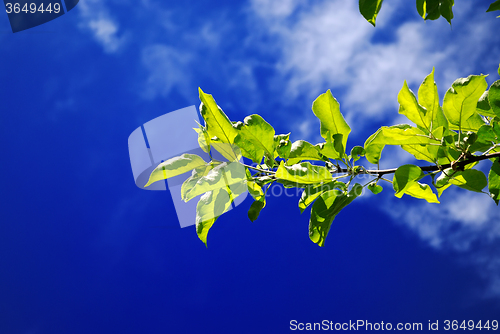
(465, 223)
(96, 19)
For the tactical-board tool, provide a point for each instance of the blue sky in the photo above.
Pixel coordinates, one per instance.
(83, 250)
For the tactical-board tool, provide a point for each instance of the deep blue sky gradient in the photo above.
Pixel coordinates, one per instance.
(83, 250)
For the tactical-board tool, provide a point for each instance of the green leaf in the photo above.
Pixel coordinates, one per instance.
(422, 191)
(473, 123)
(494, 6)
(461, 99)
(255, 138)
(446, 9)
(404, 177)
(311, 192)
(203, 138)
(211, 205)
(486, 133)
(357, 152)
(402, 134)
(222, 176)
(421, 8)
(175, 166)
(304, 173)
(494, 180)
(302, 150)
(494, 97)
(483, 106)
(229, 151)
(324, 211)
(333, 148)
(375, 188)
(496, 128)
(255, 208)
(421, 152)
(429, 9)
(369, 9)
(499, 64)
(470, 179)
(283, 145)
(442, 181)
(428, 98)
(216, 122)
(409, 107)
(327, 109)
(253, 187)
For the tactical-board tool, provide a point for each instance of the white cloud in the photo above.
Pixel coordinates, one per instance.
(465, 223)
(328, 44)
(105, 30)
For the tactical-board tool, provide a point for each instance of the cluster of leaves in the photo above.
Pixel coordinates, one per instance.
(453, 137)
(427, 9)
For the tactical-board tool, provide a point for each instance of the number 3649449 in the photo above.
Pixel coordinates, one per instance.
(32, 8)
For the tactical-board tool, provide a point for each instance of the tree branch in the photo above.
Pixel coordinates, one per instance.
(458, 165)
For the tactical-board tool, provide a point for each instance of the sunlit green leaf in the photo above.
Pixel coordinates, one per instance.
(461, 99)
(409, 107)
(442, 181)
(325, 209)
(312, 192)
(473, 123)
(428, 98)
(470, 179)
(203, 138)
(216, 122)
(303, 173)
(253, 187)
(222, 176)
(175, 166)
(327, 109)
(211, 205)
(402, 134)
(422, 191)
(255, 138)
(421, 152)
(370, 9)
(283, 145)
(333, 148)
(494, 180)
(404, 177)
(494, 97)
(302, 150)
(229, 151)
